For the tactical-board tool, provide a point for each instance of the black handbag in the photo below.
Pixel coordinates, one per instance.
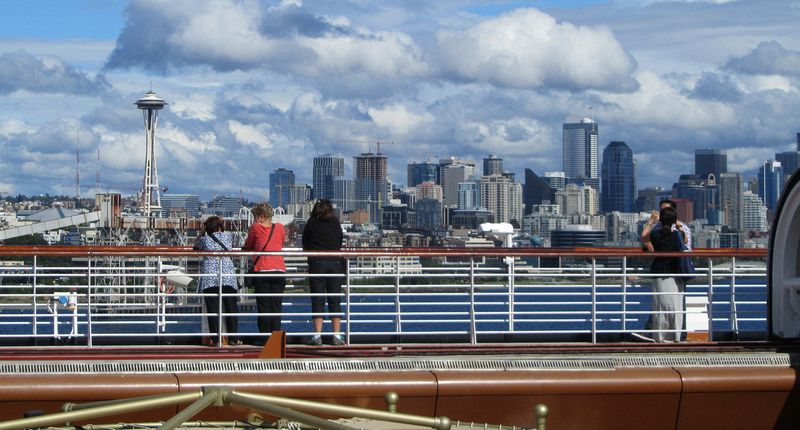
(250, 280)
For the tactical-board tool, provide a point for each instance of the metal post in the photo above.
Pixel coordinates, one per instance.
(398, 321)
(89, 297)
(35, 310)
(594, 300)
(220, 330)
(254, 402)
(733, 319)
(210, 397)
(473, 326)
(624, 294)
(710, 300)
(347, 298)
(510, 263)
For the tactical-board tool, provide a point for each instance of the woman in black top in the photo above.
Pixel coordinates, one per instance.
(667, 300)
(323, 232)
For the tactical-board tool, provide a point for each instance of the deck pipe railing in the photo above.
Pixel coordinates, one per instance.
(90, 294)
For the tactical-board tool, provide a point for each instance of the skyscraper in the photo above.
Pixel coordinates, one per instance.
(754, 213)
(581, 160)
(422, 172)
(371, 183)
(493, 166)
(469, 195)
(344, 194)
(710, 161)
(279, 182)
(731, 187)
(451, 175)
(618, 178)
(535, 190)
(326, 167)
(790, 162)
(770, 183)
(502, 197)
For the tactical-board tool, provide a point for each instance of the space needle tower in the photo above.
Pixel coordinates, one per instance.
(150, 104)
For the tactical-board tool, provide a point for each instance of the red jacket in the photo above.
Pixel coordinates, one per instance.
(257, 237)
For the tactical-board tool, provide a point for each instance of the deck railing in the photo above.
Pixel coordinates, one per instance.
(129, 295)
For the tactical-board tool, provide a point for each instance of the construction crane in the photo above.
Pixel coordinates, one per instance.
(378, 144)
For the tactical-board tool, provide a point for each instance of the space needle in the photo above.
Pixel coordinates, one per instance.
(150, 104)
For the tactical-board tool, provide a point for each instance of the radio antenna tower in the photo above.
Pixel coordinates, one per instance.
(78, 165)
(150, 104)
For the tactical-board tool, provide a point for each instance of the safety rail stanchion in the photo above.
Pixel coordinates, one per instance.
(398, 323)
(347, 299)
(220, 328)
(35, 305)
(473, 327)
(710, 300)
(594, 300)
(89, 301)
(734, 322)
(624, 294)
(510, 263)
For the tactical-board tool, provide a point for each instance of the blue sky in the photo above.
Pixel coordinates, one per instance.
(253, 86)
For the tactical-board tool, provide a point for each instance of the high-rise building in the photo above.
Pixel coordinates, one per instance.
(535, 191)
(469, 195)
(450, 176)
(279, 182)
(555, 180)
(648, 199)
(693, 188)
(577, 199)
(344, 194)
(297, 194)
(429, 190)
(502, 197)
(731, 185)
(224, 206)
(493, 166)
(188, 203)
(618, 178)
(429, 214)
(754, 213)
(710, 162)
(326, 167)
(581, 161)
(770, 183)
(790, 162)
(422, 172)
(371, 184)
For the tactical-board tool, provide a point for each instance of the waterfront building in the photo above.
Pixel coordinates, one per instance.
(187, 203)
(279, 182)
(581, 161)
(555, 180)
(576, 235)
(754, 213)
(469, 195)
(618, 178)
(470, 218)
(501, 197)
(371, 183)
(224, 206)
(493, 166)
(770, 183)
(710, 162)
(535, 191)
(730, 199)
(326, 168)
(423, 172)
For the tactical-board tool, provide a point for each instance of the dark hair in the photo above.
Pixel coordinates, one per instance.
(323, 209)
(214, 224)
(667, 217)
(671, 204)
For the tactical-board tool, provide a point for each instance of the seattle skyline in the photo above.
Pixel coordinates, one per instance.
(256, 86)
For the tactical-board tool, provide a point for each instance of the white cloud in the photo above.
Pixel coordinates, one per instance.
(399, 120)
(527, 48)
(249, 134)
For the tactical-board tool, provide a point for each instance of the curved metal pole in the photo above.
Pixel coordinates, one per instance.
(253, 401)
(99, 411)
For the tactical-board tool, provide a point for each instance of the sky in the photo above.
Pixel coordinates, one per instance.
(253, 86)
